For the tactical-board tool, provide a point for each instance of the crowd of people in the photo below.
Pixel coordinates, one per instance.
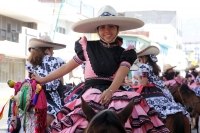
(113, 77)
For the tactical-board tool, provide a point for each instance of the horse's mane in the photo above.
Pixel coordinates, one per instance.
(185, 89)
(106, 119)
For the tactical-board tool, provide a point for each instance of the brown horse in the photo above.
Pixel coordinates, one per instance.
(177, 123)
(106, 121)
(184, 95)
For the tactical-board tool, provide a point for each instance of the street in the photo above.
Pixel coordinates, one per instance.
(5, 94)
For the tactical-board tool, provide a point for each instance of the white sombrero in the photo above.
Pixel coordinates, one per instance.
(44, 41)
(167, 67)
(148, 50)
(192, 67)
(106, 15)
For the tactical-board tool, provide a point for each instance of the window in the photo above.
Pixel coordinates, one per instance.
(19, 25)
(8, 32)
(60, 30)
(10, 29)
(3, 26)
(3, 35)
(15, 36)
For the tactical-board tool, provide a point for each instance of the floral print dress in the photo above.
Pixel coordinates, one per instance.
(158, 96)
(49, 64)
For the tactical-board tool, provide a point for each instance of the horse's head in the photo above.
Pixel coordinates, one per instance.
(189, 98)
(106, 121)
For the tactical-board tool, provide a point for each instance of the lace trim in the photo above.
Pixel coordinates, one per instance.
(77, 60)
(125, 64)
(110, 79)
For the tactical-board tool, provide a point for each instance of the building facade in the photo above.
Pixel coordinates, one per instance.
(164, 28)
(32, 19)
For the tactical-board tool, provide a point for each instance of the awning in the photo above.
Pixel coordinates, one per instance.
(165, 45)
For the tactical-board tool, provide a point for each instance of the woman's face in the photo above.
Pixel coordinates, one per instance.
(49, 51)
(107, 32)
(143, 59)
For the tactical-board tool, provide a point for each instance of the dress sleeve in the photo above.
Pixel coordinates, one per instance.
(145, 70)
(79, 50)
(128, 57)
(29, 67)
(60, 61)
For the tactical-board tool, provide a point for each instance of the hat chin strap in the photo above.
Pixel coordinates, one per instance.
(108, 43)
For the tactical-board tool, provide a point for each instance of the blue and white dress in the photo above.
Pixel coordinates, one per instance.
(197, 88)
(158, 96)
(53, 89)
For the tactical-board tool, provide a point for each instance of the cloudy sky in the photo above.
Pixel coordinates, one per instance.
(185, 8)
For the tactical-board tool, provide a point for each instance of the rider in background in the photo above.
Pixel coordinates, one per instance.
(42, 62)
(170, 77)
(191, 76)
(153, 89)
(107, 64)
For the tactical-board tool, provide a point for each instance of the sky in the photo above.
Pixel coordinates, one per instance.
(185, 8)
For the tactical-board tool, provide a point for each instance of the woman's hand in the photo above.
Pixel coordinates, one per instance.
(37, 78)
(137, 77)
(105, 97)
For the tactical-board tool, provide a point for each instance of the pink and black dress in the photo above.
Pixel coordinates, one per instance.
(102, 63)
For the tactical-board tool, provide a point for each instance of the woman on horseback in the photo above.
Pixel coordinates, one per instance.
(107, 64)
(191, 76)
(42, 62)
(153, 89)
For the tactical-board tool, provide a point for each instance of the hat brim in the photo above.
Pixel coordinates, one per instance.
(134, 67)
(90, 25)
(169, 68)
(192, 67)
(151, 50)
(34, 42)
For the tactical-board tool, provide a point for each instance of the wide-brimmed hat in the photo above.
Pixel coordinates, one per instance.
(148, 50)
(106, 15)
(167, 67)
(190, 67)
(45, 41)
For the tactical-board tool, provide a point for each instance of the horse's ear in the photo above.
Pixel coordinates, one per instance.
(87, 110)
(126, 112)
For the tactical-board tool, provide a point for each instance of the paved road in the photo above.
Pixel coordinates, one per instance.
(5, 94)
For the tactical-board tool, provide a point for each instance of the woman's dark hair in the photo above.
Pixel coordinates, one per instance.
(194, 73)
(171, 75)
(37, 56)
(156, 68)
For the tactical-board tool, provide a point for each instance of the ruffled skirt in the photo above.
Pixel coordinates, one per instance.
(142, 120)
(162, 101)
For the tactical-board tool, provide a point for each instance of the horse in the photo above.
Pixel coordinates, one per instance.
(184, 95)
(177, 123)
(106, 121)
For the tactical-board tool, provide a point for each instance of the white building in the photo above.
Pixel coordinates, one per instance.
(24, 19)
(165, 28)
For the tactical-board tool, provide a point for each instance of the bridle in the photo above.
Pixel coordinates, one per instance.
(193, 105)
